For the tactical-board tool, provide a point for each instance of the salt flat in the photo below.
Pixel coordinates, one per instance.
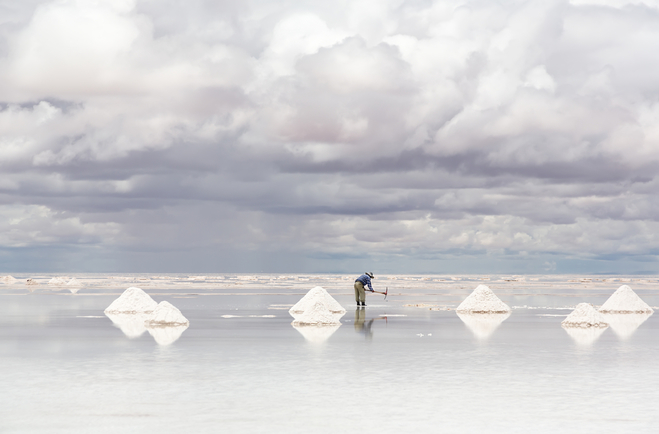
(241, 366)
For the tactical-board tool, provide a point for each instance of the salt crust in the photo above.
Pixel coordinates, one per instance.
(133, 300)
(585, 316)
(483, 300)
(166, 315)
(625, 300)
(315, 295)
(318, 314)
(482, 325)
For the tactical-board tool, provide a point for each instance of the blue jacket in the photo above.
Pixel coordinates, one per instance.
(365, 280)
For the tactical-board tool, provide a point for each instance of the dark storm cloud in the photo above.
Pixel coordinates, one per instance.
(418, 129)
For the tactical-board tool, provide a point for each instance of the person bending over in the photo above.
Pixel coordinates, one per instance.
(360, 293)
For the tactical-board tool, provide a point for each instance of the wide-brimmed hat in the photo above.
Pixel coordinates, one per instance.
(369, 274)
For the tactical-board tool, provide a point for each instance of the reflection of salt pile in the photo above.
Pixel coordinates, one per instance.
(74, 285)
(624, 325)
(166, 335)
(132, 324)
(317, 307)
(7, 279)
(316, 334)
(133, 300)
(625, 300)
(584, 336)
(166, 323)
(166, 315)
(483, 324)
(585, 316)
(483, 300)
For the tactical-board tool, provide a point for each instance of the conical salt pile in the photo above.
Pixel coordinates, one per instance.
(318, 314)
(166, 315)
(314, 296)
(133, 300)
(73, 282)
(625, 300)
(584, 316)
(8, 279)
(482, 300)
(57, 281)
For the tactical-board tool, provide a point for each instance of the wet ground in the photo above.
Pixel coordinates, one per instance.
(408, 363)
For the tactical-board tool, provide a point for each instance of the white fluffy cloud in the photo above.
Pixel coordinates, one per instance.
(445, 131)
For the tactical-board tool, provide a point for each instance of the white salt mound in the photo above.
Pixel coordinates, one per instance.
(73, 282)
(318, 314)
(314, 296)
(133, 300)
(483, 300)
(625, 300)
(8, 279)
(584, 316)
(57, 281)
(165, 315)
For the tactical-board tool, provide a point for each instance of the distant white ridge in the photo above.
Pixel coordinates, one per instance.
(483, 300)
(584, 316)
(57, 281)
(166, 315)
(317, 302)
(625, 300)
(133, 300)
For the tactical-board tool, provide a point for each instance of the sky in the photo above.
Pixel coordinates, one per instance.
(308, 136)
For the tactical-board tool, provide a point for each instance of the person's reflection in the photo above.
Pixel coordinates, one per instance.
(363, 326)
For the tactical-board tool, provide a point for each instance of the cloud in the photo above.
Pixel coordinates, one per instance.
(414, 133)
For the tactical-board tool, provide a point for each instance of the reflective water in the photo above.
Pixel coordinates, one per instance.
(241, 366)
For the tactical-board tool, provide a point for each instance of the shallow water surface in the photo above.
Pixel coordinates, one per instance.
(391, 367)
